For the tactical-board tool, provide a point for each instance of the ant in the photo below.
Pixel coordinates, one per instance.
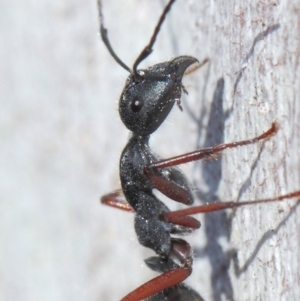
(148, 97)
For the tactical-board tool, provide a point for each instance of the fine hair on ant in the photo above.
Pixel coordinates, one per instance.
(147, 99)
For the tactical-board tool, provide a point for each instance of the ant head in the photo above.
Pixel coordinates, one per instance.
(149, 94)
(148, 98)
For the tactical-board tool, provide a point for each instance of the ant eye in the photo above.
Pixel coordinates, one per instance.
(136, 105)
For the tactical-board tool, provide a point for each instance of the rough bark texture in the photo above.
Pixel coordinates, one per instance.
(61, 139)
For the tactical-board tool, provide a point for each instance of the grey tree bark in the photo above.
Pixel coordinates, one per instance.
(61, 139)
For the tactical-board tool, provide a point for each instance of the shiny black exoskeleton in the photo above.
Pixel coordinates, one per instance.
(143, 106)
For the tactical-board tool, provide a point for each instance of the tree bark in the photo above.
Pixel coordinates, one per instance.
(253, 81)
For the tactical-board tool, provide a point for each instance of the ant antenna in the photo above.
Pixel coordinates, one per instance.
(145, 52)
(148, 49)
(105, 39)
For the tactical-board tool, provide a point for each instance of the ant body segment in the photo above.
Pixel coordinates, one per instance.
(147, 98)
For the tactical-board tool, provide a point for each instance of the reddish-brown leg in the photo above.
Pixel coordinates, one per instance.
(172, 217)
(169, 188)
(158, 284)
(208, 152)
(113, 199)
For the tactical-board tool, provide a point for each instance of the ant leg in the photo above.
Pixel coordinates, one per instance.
(208, 152)
(158, 284)
(180, 193)
(113, 199)
(176, 267)
(173, 216)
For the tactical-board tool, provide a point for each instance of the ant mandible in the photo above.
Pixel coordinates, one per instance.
(147, 99)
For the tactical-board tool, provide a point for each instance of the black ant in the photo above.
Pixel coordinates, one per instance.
(147, 99)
